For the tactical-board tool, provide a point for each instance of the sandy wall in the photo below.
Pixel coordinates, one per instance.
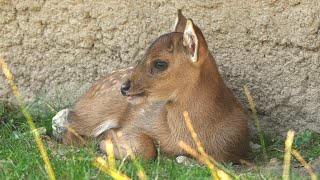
(62, 47)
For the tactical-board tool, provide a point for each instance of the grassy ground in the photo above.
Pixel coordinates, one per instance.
(20, 157)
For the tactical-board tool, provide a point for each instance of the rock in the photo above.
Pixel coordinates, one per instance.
(275, 162)
(186, 161)
(59, 124)
(254, 146)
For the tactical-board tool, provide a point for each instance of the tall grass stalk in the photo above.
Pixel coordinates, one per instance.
(104, 166)
(194, 135)
(30, 122)
(257, 123)
(287, 155)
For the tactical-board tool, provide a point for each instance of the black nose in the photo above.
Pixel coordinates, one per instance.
(125, 87)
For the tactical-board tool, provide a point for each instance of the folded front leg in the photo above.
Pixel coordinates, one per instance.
(71, 127)
(139, 144)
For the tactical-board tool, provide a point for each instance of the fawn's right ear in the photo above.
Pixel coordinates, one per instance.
(181, 22)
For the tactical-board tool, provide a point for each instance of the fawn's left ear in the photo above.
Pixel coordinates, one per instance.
(180, 22)
(190, 40)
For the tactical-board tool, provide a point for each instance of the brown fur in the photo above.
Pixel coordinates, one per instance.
(155, 117)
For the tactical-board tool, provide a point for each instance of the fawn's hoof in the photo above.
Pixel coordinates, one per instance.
(98, 147)
(59, 124)
(101, 146)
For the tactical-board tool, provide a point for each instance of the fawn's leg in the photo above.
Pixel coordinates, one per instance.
(140, 144)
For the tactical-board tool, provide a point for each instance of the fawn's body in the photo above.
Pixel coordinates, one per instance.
(177, 74)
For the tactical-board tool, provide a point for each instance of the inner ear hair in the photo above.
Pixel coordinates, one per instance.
(190, 40)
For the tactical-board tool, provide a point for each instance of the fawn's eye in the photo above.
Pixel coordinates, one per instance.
(160, 65)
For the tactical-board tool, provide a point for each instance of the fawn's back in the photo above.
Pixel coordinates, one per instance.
(146, 103)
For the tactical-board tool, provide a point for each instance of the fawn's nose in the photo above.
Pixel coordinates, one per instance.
(125, 87)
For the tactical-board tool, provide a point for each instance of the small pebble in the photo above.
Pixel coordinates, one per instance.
(254, 146)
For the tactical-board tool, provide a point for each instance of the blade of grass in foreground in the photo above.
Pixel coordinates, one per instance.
(110, 167)
(110, 153)
(103, 165)
(198, 157)
(29, 119)
(199, 146)
(257, 122)
(287, 155)
(141, 172)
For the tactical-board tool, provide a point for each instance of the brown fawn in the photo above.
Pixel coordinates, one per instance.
(176, 74)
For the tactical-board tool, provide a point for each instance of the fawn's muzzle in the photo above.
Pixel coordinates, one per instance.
(125, 87)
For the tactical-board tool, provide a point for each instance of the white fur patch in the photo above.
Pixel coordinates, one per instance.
(109, 124)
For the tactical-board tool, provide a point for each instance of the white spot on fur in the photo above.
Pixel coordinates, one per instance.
(119, 134)
(105, 126)
(130, 67)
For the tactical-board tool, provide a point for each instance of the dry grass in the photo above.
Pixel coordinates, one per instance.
(287, 155)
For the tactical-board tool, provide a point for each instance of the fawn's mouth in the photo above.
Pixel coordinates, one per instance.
(132, 96)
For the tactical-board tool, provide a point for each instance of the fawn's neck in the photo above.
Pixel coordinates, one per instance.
(206, 101)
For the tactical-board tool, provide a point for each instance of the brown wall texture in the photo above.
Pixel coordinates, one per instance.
(270, 45)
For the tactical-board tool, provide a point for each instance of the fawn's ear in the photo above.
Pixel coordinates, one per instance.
(180, 22)
(190, 40)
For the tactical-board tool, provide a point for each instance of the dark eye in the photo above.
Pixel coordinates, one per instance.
(160, 65)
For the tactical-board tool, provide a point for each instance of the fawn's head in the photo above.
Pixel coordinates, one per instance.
(170, 65)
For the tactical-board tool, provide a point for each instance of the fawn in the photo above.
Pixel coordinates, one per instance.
(176, 74)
